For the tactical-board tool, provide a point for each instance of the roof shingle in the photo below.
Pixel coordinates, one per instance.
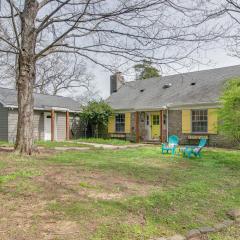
(151, 94)
(8, 97)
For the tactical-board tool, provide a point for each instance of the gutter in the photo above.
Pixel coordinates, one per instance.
(189, 105)
(46, 109)
(171, 106)
(166, 108)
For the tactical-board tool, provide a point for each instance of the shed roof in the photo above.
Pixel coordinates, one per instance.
(8, 97)
(192, 88)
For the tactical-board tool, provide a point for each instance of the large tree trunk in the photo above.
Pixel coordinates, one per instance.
(26, 79)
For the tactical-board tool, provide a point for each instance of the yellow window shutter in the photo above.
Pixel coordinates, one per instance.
(186, 121)
(212, 120)
(128, 122)
(111, 124)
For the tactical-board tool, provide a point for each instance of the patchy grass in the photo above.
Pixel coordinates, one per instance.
(228, 234)
(129, 194)
(110, 141)
(87, 185)
(5, 144)
(20, 173)
(50, 144)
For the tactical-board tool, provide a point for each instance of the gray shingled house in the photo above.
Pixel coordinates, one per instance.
(183, 104)
(46, 107)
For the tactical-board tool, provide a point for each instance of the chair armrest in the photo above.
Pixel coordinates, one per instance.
(197, 149)
(188, 149)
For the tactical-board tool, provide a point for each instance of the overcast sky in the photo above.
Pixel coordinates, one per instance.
(211, 59)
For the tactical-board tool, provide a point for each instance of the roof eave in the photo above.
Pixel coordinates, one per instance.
(192, 105)
(172, 106)
(46, 109)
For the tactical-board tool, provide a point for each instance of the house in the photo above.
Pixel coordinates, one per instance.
(185, 105)
(55, 117)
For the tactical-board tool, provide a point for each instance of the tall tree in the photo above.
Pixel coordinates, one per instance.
(94, 30)
(145, 70)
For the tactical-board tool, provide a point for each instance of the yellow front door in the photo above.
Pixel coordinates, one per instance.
(155, 125)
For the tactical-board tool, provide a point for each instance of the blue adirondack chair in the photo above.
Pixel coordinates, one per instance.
(171, 145)
(195, 150)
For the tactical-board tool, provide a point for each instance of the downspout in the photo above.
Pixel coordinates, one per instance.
(167, 124)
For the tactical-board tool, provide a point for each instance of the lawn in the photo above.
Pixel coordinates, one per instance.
(73, 143)
(50, 144)
(130, 194)
(110, 141)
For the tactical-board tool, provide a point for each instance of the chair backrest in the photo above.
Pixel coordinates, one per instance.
(173, 140)
(202, 142)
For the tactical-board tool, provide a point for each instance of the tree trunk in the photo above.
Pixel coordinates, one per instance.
(26, 79)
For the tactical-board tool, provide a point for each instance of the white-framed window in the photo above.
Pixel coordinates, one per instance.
(120, 122)
(200, 121)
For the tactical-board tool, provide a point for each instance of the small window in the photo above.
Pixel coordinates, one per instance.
(164, 119)
(156, 120)
(120, 122)
(199, 121)
(147, 120)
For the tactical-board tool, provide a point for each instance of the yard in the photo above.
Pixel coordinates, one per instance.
(121, 195)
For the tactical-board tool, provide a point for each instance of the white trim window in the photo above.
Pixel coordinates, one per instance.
(200, 121)
(120, 122)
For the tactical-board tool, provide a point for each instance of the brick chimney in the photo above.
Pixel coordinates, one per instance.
(116, 81)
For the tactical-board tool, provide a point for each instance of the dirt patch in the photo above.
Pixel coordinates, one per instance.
(6, 149)
(71, 183)
(60, 228)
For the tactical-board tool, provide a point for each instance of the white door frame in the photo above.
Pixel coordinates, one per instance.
(47, 136)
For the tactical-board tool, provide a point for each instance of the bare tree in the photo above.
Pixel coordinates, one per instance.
(157, 30)
(54, 75)
(220, 21)
(228, 13)
(7, 69)
(57, 73)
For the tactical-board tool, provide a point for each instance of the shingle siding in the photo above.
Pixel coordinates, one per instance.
(12, 125)
(61, 126)
(38, 123)
(38, 131)
(3, 123)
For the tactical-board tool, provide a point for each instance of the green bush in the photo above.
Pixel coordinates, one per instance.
(229, 114)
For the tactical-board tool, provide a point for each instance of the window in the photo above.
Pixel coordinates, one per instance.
(164, 119)
(156, 119)
(120, 122)
(147, 119)
(199, 121)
